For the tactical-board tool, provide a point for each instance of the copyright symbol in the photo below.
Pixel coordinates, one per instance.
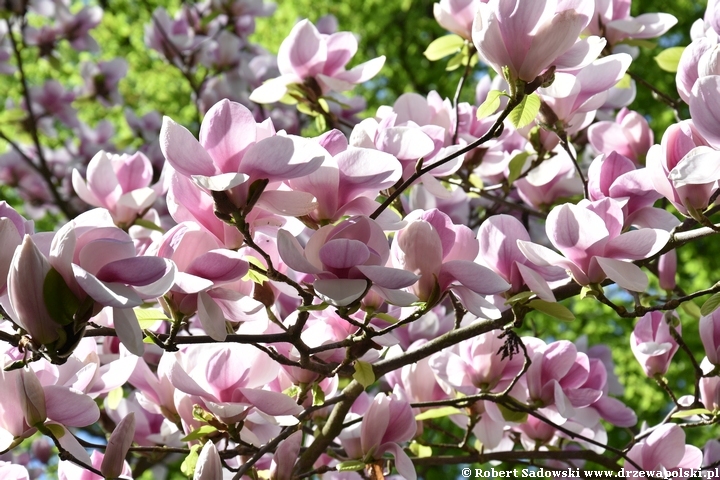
(466, 472)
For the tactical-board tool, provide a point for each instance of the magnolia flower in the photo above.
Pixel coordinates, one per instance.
(346, 260)
(529, 36)
(612, 20)
(443, 255)
(120, 183)
(318, 61)
(457, 15)
(652, 343)
(710, 336)
(590, 236)
(629, 135)
(208, 466)
(665, 449)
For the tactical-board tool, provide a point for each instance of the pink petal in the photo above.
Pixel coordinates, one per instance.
(405, 143)
(363, 72)
(133, 171)
(344, 253)
(637, 244)
(292, 253)
(477, 278)
(341, 47)
(211, 317)
(70, 407)
(303, 52)
(287, 203)
(403, 464)
(183, 152)
(625, 274)
(392, 278)
(115, 295)
(227, 131)
(705, 107)
(340, 292)
(282, 158)
(365, 171)
(272, 403)
(219, 266)
(128, 330)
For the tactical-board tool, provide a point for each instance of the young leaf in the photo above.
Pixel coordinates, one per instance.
(669, 59)
(691, 412)
(490, 105)
(364, 373)
(350, 466)
(553, 309)
(437, 413)
(198, 433)
(516, 166)
(525, 113)
(443, 46)
(710, 305)
(691, 309)
(420, 451)
(455, 62)
(512, 415)
(188, 465)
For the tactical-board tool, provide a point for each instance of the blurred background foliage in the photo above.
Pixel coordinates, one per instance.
(400, 30)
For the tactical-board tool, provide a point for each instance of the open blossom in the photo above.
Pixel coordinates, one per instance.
(457, 15)
(347, 259)
(652, 343)
(528, 37)
(317, 61)
(590, 236)
(443, 254)
(710, 336)
(629, 135)
(120, 183)
(682, 168)
(665, 449)
(612, 20)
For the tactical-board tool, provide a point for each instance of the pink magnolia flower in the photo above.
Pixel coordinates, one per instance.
(11, 471)
(348, 182)
(498, 237)
(703, 107)
(612, 20)
(710, 393)
(629, 135)
(13, 228)
(233, 153)
(477, 364)
(710, 336)
(205, 272)
(530, 37)
(443, 255)
(652, 344)
(682, 167)
(102, 79)
(457, 16)
(665, 449)
(285, 456)
(574, 98)
(553, 179)
(69, 471)
(318, 61)
(208, 465)
(347, 259)
(590, 236)
(388, 422)
(120, 183)
(557, 380)
(113, 463)
(229, 379)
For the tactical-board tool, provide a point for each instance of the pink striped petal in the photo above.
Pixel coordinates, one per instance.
(227, 131)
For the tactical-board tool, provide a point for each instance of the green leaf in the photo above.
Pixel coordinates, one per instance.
(386, 317)
(437, 413)
(443, 46)
(60, 301)
(512, 415)
(318, 395)
(624, 82)
(113, 398)
(639, 42)
(188, 465)
(350, 466)
(308, 308)
(320, 123)
(553, 309)
(198, 433)
(148, 317)
(519, 297)
(669, 59)
(420, 451)
(364, 373)
(525, 113)
(710, 305)
(691, 309)
(516, 166)
(691, 412)
(57, 430)
(149, 225)
(455, 62)
(490, 105)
